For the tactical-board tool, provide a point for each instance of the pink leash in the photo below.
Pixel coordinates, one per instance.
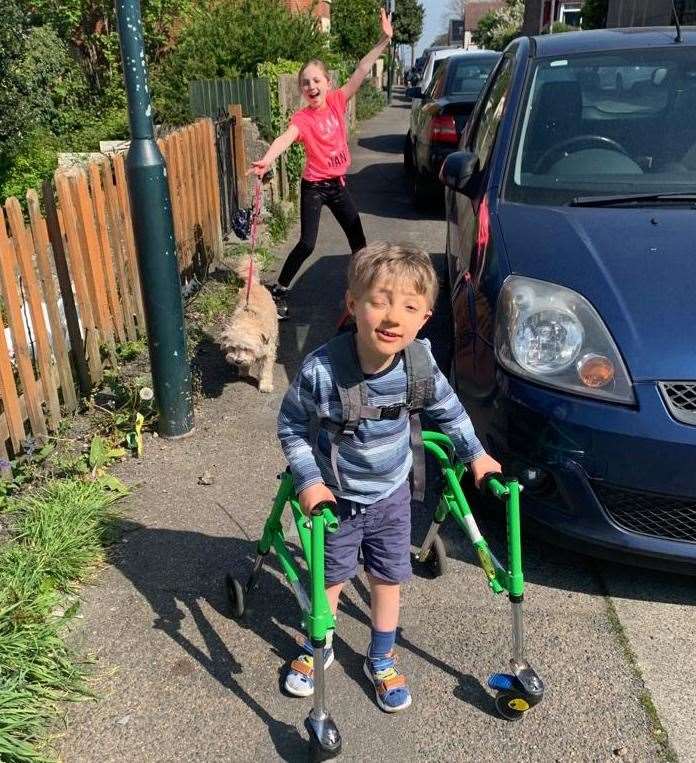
(255, 214)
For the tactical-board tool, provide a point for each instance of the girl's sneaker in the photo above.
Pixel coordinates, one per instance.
(300, 678)
(278, 293)
(391, 690)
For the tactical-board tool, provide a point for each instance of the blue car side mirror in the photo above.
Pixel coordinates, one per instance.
(459, 170)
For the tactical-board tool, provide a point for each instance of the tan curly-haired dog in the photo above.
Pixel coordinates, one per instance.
(250, 337)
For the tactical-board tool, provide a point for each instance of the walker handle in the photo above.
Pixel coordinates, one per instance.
(495, 484)
(325, 509)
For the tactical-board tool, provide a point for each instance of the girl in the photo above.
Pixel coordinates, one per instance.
(321, 127)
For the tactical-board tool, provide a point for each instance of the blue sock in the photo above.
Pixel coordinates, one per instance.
(382, 642)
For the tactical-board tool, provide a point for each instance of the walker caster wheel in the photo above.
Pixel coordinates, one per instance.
(511, 705)
(235, 595)
(324, 739)
(436, 561)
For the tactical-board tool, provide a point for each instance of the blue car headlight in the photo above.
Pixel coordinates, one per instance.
(553, 336)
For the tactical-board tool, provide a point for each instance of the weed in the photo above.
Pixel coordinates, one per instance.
(130, 350)
(279, 221)
(658, 731)
(213, 302)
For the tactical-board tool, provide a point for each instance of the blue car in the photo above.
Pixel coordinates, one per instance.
(571, 243)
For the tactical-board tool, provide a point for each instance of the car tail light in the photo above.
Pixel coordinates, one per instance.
(443, 129)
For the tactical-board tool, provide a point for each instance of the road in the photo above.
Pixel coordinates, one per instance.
(179, 680)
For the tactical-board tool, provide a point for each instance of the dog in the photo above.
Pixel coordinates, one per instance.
(250, 336)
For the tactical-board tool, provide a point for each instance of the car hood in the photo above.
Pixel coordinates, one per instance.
(636, 266)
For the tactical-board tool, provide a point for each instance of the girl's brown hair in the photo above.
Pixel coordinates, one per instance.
(312, 62)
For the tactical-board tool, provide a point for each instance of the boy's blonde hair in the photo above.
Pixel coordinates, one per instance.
(312, 62)
(381, 258)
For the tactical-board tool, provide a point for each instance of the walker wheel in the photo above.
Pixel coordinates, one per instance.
(511, 704)
(235, 595)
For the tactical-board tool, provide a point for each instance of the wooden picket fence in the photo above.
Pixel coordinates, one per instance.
(69, 281)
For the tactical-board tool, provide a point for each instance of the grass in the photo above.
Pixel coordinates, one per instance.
(657, 730)
(57, 540)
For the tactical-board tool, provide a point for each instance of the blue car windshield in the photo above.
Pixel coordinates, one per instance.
(616, 122)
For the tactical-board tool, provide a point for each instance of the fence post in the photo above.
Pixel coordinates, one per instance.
(240, 164)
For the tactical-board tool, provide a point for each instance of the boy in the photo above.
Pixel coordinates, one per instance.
(391, 293)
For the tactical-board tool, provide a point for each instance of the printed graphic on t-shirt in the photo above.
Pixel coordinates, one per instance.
(328, 126)
(337, 158)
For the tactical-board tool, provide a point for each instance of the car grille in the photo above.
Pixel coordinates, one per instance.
(660, 516)
(681, 400)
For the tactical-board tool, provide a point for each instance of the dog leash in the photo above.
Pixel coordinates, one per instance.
(256, 213)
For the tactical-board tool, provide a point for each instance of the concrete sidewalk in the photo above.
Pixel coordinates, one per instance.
(182, 681)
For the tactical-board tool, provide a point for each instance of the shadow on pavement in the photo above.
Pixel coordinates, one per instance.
(385, 144)
(382, 190)
(177, 572)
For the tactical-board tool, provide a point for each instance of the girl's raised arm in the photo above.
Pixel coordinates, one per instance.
(365, 66)
(280, 144)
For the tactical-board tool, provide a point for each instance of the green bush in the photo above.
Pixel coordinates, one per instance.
(369, 101)
(34, 160)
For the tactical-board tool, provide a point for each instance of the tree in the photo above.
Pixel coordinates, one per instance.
(441, 39)
(408, 26)
(355, 26)
(594, 14)
(497, 28)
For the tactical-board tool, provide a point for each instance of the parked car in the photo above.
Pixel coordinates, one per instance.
(440, 116)
(434, 60)
(571, 222)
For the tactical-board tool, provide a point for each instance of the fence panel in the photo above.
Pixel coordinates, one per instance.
(107, 264)
(209, 97)
(36, 326)
(83, 254)
(60, 349)
(13, 304)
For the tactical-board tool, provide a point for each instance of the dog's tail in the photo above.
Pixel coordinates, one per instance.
(246, 265)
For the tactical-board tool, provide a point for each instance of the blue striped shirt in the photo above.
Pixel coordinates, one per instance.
(376, 459)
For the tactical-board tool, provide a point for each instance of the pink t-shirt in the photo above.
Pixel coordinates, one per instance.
(323, 132)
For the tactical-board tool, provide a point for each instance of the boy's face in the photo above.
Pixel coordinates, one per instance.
(314, 85)
(388, 317)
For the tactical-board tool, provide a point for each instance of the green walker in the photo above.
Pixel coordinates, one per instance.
(515, 692)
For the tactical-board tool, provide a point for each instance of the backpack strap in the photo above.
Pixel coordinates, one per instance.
(420, 387)
(352, 392)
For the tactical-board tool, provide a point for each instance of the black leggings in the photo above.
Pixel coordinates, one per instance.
(313, 196)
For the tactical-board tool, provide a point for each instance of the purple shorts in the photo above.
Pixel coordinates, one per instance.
(384, 534)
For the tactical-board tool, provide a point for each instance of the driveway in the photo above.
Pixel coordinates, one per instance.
(179, 680)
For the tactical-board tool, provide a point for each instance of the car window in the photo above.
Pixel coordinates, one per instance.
(436, 86)
(491, 112)
(467, 77)
(607, 123)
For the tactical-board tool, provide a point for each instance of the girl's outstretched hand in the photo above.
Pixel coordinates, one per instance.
(259, 168)
(387, 30)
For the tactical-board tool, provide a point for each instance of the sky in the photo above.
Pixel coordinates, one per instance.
(433, 25)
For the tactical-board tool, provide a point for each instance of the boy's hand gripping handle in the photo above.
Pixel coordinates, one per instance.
(495, 484)
(326, 509)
